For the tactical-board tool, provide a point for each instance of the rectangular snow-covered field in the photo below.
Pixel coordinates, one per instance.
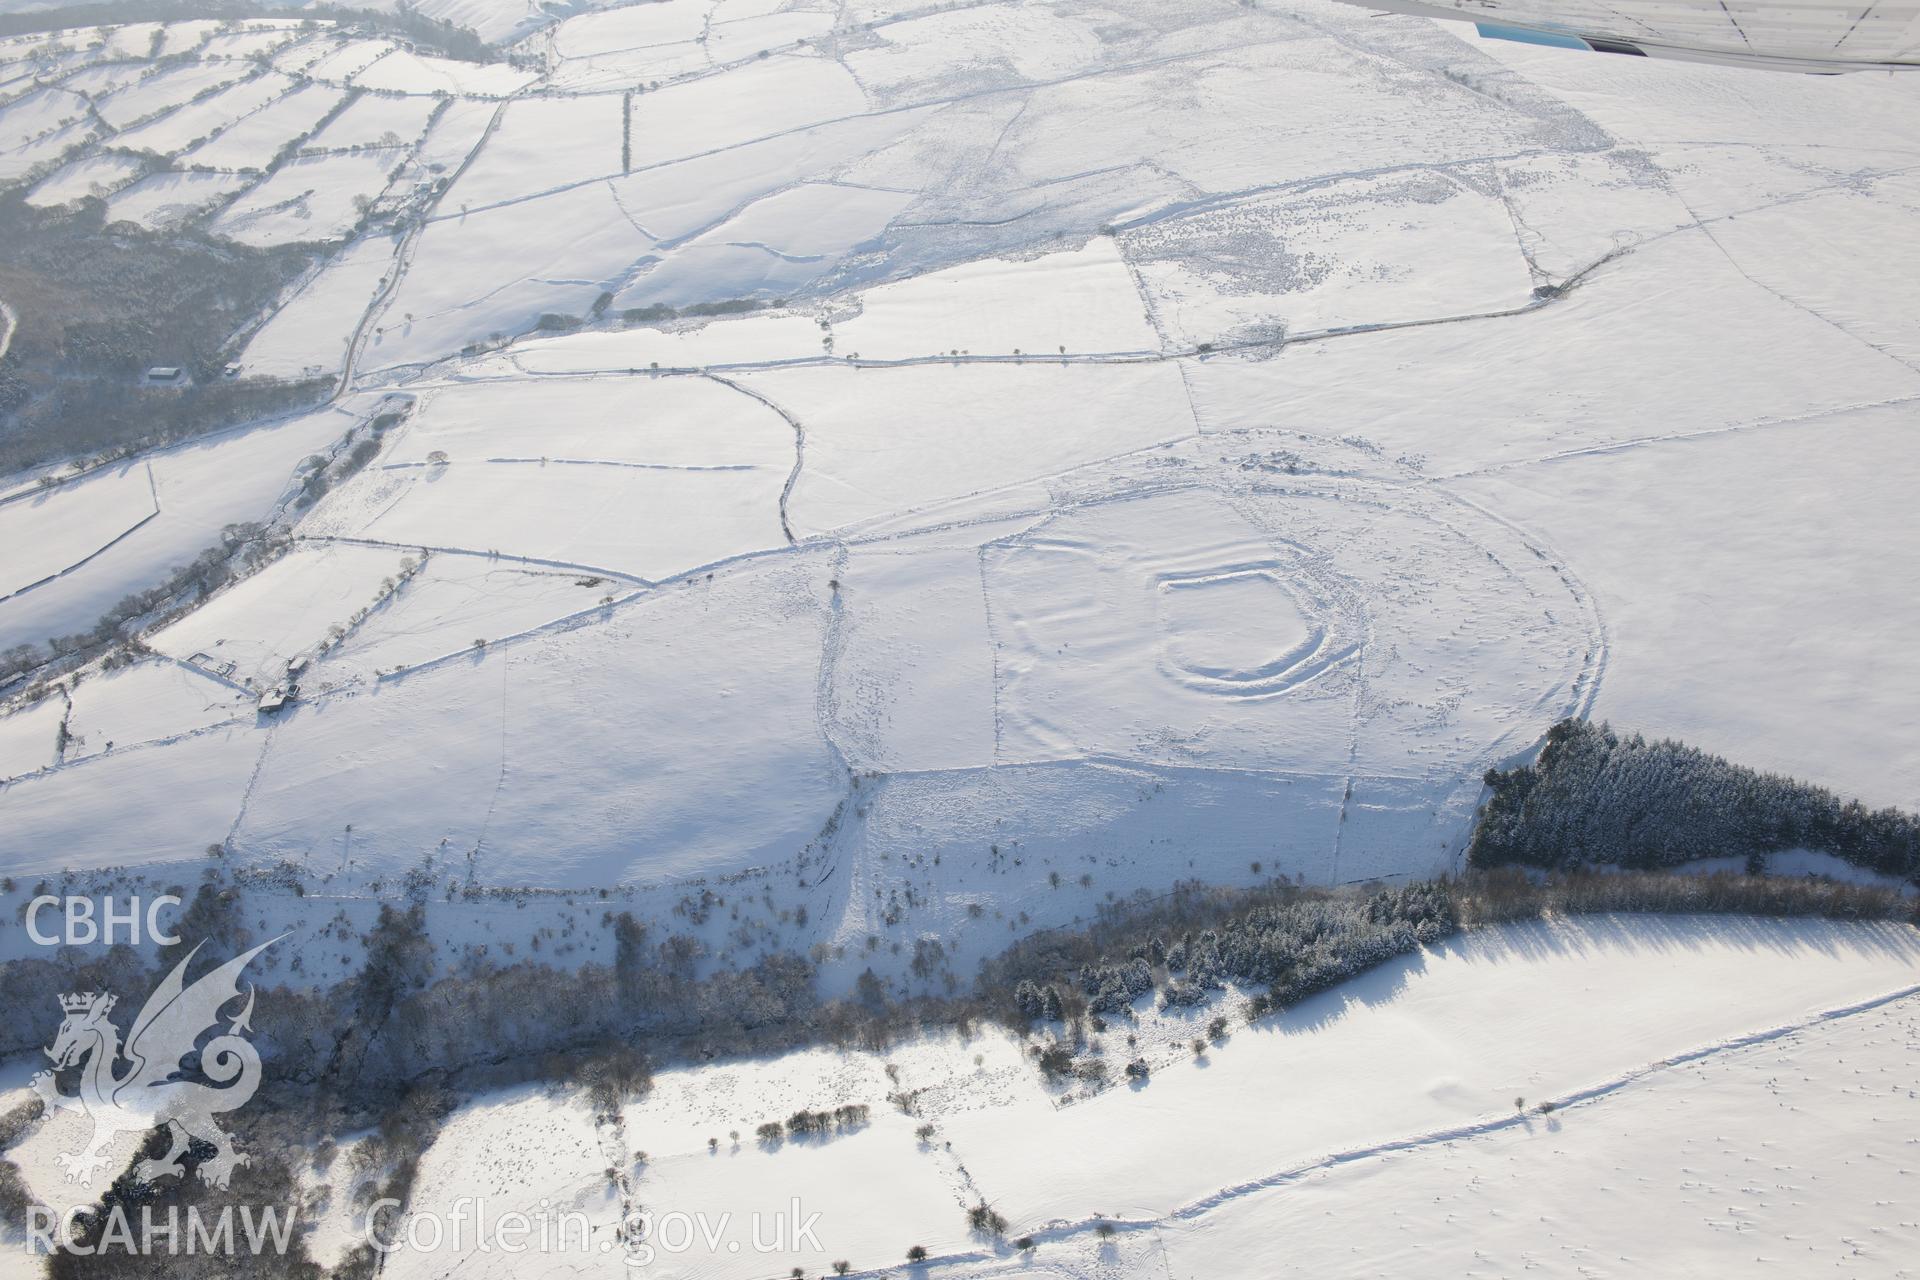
(452, 600)
(165, 89)
(310, 333)
(1080, 301)
(48, 533)
(31, 157)
(253, 142)
(169, 199)
(776, 95)
(349, 59)
(633, 750)
(154, 817)
(664, 423)
(633, 521)
(148, 702)
(375, 120)
(497, 271)
(202, 119)
(883, 442)
(404, 71)
(203, 486)
(36, 114)
(87, 176)
(312, 198)
(540, 145)
(301, 603)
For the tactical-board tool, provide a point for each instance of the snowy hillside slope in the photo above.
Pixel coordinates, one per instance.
(960, 468)
(1388, 1101)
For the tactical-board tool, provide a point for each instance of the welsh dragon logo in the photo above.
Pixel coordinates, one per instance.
(149, 1094)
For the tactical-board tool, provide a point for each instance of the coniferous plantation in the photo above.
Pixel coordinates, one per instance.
(1284, 942)
(1595, 797)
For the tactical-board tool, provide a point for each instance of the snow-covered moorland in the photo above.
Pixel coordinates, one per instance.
(1229, 436)
(878, 484)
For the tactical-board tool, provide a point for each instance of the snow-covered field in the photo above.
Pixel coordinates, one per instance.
(1665, 1172)
(93, 524)
(90, 176)
(308, 199)
(292, 609)
(147, 702)
(254, 142)
(310, 332)
(168, 199)
(197, 122)
(375, 120)
(51, 533)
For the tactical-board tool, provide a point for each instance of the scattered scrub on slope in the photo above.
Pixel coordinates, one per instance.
(1597, 797)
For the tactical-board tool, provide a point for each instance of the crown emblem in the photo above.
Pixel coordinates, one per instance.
(147, 1095)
